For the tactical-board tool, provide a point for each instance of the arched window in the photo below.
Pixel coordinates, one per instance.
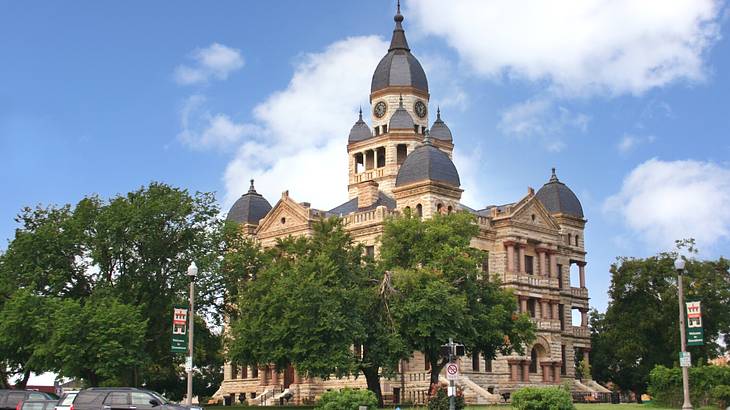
(439, 207)
(450, 209)
(407, 210)
(533, 360)
(419, 210)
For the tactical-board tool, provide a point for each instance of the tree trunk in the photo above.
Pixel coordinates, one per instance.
(24, 381)
(436, 367)
(637, 393)
(373, 379)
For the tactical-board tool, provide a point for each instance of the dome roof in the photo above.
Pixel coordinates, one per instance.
(399, 67)
(558, 198)
(401, 119)
(250, 208)
(360, 131)
(427, 163)
(439, 129)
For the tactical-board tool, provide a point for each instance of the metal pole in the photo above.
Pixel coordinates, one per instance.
(190, 341)
(685, 370)
(452, 385)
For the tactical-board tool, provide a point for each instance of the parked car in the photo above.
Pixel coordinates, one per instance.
(66, 401)
(36, 405)
(123, 398)
(9, 399)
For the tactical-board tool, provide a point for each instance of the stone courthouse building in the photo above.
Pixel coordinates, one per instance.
(403, 161)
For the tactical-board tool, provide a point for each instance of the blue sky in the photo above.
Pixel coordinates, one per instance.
(628, 100)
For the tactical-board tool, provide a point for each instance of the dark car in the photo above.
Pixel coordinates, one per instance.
(123, 398)
(36, 405)
(9, 399)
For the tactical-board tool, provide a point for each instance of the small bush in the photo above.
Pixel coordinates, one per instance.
(542, 398)
(347, 399)
(722, 395)
(440, 400)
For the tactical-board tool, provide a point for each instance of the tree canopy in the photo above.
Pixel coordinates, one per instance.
(640, 328)
(108, 273)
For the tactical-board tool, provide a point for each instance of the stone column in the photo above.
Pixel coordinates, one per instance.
(556, 371)
(521, 258)
(227, 371)
(513, 369)
(582, 272)
(523, 304)
(584, 317)
(262, 376)
(274, 376)
(556, 309)
(543, 266)
(586, 355)
(546, 370)
(297, 379)
(525, 370)
(510, 256)
(553, 265)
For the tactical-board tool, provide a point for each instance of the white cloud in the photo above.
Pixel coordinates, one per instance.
(203, 130)
(579, 47)
(543, 119)
(666, 200)
(215, 61)
(629, 142)
(300, 145)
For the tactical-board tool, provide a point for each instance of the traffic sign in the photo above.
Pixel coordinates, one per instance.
(685, 359)
(452, 371)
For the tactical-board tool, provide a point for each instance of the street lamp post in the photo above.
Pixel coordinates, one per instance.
(192, 273)
(679, 264)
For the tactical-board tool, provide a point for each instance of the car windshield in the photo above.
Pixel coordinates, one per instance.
(160, 397)
(68, 399)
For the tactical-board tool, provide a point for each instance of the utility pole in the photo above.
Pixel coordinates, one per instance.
(452, 351)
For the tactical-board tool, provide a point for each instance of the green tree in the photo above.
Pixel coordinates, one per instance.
(640, 328)
(24, 330)
(442, 293)
(99, 341)
(136, 247)
(309, 303)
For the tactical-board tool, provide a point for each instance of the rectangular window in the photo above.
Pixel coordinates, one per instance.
(561, 313)
(380, 154)
(528, 264)
(475, 361)
(370, 251)
(244, 372)
(234, 371)
(255, 373)
(401, 153)
(560, 276)
(562, 359)
(531, 306)
(487, 365)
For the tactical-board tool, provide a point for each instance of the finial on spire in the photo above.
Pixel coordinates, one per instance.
(427, 137)
(251, 188)
(553, 177)
(360, 113)
(438, 113)
(398, 42)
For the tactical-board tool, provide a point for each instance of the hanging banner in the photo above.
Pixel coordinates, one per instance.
(695, 334)
(180, 329)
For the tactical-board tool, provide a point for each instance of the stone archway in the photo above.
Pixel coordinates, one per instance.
(540, 358)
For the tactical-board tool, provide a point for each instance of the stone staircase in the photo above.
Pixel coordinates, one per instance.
(473, 393)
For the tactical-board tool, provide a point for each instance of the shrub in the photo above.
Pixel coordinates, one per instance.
(347, 399)
(665, 384)
(721, 394)
(440, 400)
(542, 398)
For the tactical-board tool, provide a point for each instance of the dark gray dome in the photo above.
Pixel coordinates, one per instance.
(439, 129)
(558, 198)
(427, 163)
(360, 131)
(401, 119)
(399, 67)
(250, 208)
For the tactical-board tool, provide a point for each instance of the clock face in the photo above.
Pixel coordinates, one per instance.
(380, 109)
(420, 109)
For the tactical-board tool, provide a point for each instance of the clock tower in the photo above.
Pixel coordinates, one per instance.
(399, 110)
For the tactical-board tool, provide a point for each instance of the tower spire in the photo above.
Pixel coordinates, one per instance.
(398, 42)
(553, 177)
(251, 188)
(360, 113)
